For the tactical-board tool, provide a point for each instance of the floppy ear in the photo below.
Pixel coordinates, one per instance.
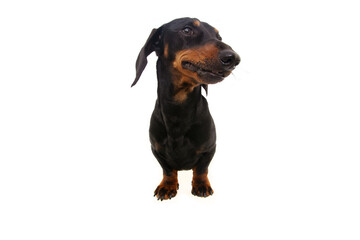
(151, 45)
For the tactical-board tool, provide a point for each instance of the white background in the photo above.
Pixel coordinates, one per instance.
(75, 160)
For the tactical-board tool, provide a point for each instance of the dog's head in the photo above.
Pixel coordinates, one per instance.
(192, 48)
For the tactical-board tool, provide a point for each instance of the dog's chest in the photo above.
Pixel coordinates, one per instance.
(181, 152)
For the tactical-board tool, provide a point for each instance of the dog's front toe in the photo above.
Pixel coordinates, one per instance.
(201, 185)
(168, 187)
(201, 189)
(164, 192)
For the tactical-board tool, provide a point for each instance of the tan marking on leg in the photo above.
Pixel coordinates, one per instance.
(201, 185)
(167, 189)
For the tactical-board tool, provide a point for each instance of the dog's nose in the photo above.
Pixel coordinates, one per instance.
(229, 59)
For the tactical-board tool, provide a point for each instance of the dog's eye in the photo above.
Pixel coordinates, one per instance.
(187, 31)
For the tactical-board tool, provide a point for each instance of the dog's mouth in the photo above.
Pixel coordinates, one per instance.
(205, 73)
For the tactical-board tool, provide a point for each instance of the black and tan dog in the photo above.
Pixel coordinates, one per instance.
(191, 55)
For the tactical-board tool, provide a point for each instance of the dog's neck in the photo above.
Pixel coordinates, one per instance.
(175, 89)
(178, 104)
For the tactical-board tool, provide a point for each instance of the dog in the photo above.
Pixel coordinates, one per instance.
(191, 55)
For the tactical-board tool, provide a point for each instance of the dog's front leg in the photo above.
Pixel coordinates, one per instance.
(168, 187)
(200, 184)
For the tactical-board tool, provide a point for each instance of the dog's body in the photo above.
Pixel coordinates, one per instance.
(182, 131)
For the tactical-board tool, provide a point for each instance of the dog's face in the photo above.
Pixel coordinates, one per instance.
(196, 50)
(193, 49)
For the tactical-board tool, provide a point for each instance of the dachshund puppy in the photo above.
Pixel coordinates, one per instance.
(191, 55)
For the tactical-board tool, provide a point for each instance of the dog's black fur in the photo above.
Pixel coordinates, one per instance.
(191, 55)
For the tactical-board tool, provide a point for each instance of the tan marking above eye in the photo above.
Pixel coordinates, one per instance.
(196, 23)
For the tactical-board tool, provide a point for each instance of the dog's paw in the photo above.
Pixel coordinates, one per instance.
(166, 191)
(201, 189)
